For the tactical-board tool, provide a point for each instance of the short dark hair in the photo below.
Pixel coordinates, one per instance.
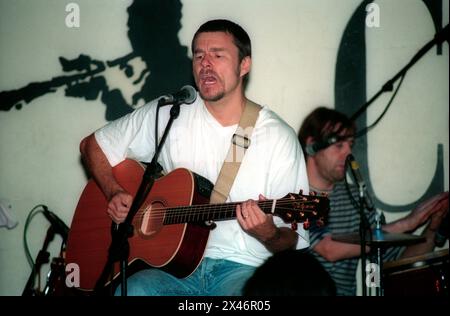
(240, 36)
(321, 123)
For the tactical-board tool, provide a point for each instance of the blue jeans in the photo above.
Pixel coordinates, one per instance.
(215, 277)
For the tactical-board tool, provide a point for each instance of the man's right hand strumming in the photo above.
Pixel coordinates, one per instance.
(119, 205)
(119, 201)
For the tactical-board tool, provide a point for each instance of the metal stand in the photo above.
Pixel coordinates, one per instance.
(378, 234)
(378, 242)
(42, 258)
(364, 227)
(439, 37)
(120, 248)
(55, 278)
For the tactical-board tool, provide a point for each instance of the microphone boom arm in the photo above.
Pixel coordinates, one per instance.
(388, 86)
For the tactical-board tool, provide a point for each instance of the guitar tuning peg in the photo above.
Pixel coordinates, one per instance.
(306, 224)
(294, 226)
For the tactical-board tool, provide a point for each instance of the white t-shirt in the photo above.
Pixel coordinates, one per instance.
(273, 165)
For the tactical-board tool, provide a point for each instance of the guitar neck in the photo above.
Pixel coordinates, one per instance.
(209, 212)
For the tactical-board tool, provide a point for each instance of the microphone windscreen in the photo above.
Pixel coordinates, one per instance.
(191, 94)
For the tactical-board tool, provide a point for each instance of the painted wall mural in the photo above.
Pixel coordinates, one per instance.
(157, 65)
(350, 94)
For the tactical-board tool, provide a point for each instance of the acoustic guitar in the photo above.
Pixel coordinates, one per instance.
(171, 228)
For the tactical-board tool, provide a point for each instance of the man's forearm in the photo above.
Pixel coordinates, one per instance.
(99, 167)
(423, 247)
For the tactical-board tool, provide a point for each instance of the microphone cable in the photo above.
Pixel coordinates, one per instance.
(35, 210)
(40, 208)
(368, 128)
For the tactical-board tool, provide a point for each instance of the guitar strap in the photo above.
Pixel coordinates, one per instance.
(239, 144)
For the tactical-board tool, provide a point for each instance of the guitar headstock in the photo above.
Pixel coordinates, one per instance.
(307, 209)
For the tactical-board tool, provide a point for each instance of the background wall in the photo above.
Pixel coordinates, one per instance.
(295, 47)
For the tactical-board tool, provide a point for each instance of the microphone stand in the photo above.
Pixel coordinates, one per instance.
(119, 248)
(42, 258)
(439, 37)
(364, 227)
(388, 86)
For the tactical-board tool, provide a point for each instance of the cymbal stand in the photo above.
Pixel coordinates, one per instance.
(363, 228)
(378, 234)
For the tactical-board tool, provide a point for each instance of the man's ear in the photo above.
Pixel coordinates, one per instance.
(246, 65)
(309, 149)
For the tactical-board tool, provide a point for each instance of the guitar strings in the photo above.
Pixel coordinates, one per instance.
(207, 209)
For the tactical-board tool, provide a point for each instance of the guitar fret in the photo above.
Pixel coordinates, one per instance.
(198, 213)
(201, 213)
(265, 207)
(183, 216)
(188, 215)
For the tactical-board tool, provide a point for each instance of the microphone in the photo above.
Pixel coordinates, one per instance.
(359, 179)
(58, 225)
(187, 95)
(442, 233)
(313, 148)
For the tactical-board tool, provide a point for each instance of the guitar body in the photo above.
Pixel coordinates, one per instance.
(176, 248)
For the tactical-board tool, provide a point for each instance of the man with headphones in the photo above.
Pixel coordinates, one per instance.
(327, 138)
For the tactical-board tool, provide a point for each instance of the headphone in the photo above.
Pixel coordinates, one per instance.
(313, 148)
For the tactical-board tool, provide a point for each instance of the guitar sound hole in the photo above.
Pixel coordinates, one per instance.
(153, 219)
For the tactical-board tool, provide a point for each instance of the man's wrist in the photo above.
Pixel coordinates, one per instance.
(275, 237)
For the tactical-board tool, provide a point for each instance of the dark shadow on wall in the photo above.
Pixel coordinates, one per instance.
(153, 27)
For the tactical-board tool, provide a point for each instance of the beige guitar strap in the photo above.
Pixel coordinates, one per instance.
(239, 144)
